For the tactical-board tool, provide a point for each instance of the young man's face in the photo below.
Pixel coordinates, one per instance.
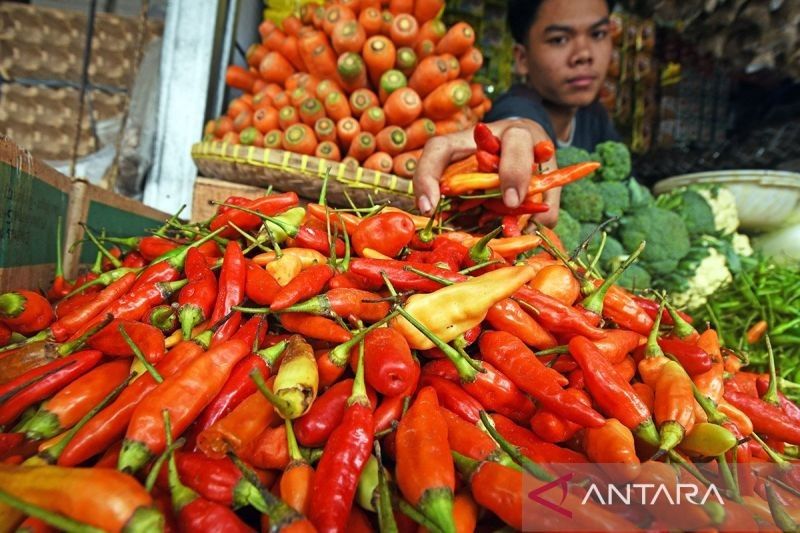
(568, 51)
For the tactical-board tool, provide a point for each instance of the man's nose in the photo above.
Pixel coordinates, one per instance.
(582, 54)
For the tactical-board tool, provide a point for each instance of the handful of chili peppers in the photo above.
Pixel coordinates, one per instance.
(363, 369)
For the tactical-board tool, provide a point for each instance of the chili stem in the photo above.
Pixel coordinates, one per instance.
(727, 476)
(558, 350)
(324, 190)
(411, 512)
(771, 396)
(479, 266)
(530, 467)
(140, 356)
(432, 277)
(69, 347)
(152, 476)
(280, 404)
(782, 519)
(386, 521)
(102, 249)
(174, 218)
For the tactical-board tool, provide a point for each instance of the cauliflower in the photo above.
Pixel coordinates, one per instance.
(741, 244)
(723, 204)
(710, 275)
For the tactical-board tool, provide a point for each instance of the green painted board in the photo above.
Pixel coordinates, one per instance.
(117, 223)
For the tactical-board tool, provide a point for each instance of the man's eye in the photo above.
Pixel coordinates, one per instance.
(558, 41)
(599, 35)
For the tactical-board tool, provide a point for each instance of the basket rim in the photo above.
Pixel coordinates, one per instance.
(768, 178)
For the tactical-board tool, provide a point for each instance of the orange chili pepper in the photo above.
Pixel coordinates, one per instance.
(674, 404)
(613, 443)
(756, 332)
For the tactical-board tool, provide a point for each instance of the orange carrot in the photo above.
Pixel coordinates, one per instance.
(317, 17)
(243, 120)
(392, 140)
(209, 128)
(397, 7)
(379, 54)
(239, 78)
(272, 89)
(261, 100)
(274, 39)
(281, 99)
(231, 138)
(380, 161)
(223, 126)
(334, 14)
(443, 127)
(391, 80)
(457, 40)
(273, 139)
(477, 94)
(426, 10)
(479, 111)
(362, 146)
(430, 74)
(311, 110)
(317, 55)
(288, 116)
(255, 54)
(291, 25)
(366, 4)
(470, 62)
(373, 120)
(265, 28)
(325, 87)
(431, 30)
(353, 5)
(352, 71)
(453, 66)
(336, 106)
(307, 13)
(370, 19)
(447, 99)
(402, 107)
(346, 130)
(328, 150)
(298, 96)
(275, 68)
(301, 80)
(348, 36)
(290, 48)
(236, 106)
(419, 132)
(258, 85)
(386, 22)
(300, 138)
(361, 100)
(350, 163)
(265, 119)
(425, 48)
(405, 164)
(325, 129)
(404, 30)
(251, 137)
(406, 60)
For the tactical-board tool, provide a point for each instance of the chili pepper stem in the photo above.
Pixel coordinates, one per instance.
(426, 234)
(427, 275)
(70, 347)
(480, 251)
(386, 521)
(174, 218)
(59, 250)
(727, 476)
(181, 494)
(771, 395)
(189, 315)
(340, 354)
(323, 192)
(557, 350)
(713, 414)
(133, 456)
(555, 252)
(479, 266)
(671, 434)
(681, 328)
(409, 510)
(532, 468)
(593, 265)
(158, 464)
(782, 463)
(648, 433)
(56, 520)
(594, 301)
(280, 404)
(271, 354)
(102, 249)
(279, 513)
(435, 505)
(97, 266)
(140, 356)
(12, 304)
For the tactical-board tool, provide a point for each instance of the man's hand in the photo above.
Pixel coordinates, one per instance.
(518, 137)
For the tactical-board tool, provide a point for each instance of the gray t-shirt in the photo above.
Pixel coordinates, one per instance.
(591, 126)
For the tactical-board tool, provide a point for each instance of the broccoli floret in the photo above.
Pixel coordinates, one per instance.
(640, 195)
(616, 198)
(616, 160)
(692, 208)
(665, 233)
(568, 230)
(584, 200)
(571, 155)
(635, 277)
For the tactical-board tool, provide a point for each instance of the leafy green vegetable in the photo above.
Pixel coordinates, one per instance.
(693, 208)
(571, 156)
(616, 198)
(616, 160)
(584, 200)
(665, 233)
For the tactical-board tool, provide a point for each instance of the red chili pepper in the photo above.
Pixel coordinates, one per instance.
(492, 389)
(269, 450)
(620, 307)
(9, 442)
(616, 344)
(346, 303)
(389, 411)
(453, 397)
(163, 317)
(767, 419)
(527, 207)
(509, 317)
(693, 358)
(510, 355)
(651, 308)
(487, 162)
(25, 312)
(260, 287)
(485, 139)
(543, 151)
(168, 267)
(551, 427)
(150, 247)
(315, 327)
(232, 280)
(743, 382)
(317, 239)
(401, 278)
(147, 338)
(351, 280)
(389, 366)
(387, 233)
(226, 331)
(468, 439)
(197, 298)
(232, 201)
(266, 205)
(134, 260)
(33, 389)
(308, 283)
(511, 226)
(109, 425)
(532, 446)
(448, 252)
(555, 316)
(791, 409)
(5, 334)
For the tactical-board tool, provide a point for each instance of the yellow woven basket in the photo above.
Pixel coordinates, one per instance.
(303, 174)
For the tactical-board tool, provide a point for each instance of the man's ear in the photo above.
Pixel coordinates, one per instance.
(520, 61)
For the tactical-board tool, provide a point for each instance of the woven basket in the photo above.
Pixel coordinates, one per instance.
(303, 174)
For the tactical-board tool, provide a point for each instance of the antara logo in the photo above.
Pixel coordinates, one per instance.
(651, 494)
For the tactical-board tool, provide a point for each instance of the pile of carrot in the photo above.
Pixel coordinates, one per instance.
(361, 81)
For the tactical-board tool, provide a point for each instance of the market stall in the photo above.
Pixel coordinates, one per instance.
(307, 351)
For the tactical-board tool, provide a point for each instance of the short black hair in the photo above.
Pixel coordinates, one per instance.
(521, 15)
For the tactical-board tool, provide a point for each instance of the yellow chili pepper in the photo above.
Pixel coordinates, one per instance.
(297, 380)
(674, 404)
(285, 268)
(307, 257)
(474, 181)
(369, 253)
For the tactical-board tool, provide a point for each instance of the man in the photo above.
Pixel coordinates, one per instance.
(563, 48)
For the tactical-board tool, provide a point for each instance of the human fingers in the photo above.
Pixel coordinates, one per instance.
(436, 155)
(550, 217)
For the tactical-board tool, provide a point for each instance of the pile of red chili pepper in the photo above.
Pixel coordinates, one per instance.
(305, 368)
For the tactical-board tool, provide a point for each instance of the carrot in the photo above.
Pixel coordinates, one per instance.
(272, 89)
(352, 71)
(477, 94)
(392, 140)
(350, 163)
(307, 13)
(298, 96)
(470, 62)
(325, 129)
(325, 87)
(366, 4)
(261, 100)
(405, 164)
(297, 80)
(300, 138)
(404, 30)
(273, 139)
(379, 54)
(231, 138)
(346, 130)
(424, 49)
(370, 19)
(373, 120)
(243, 120)
(291, 25)
(453, 66)
(290, 48)
(236, 106)
(251, 137)
(457, 40)
(258, 86)
(380, 161)
(335, 14)
(255, 54)
(443, 127)
(224, 126)
(431, 30)
(361, 100)
(274, 39)
(265, 28)
(311, 110)
(328, 150)
(479, 111)
(419, 132)
(239, 78)
(336, 106)
(317, 17)
(427, 10)
(265, 119)
(402, 107)
(391, 80)
(288, 116)
(348, 36)
(430, 74)
(317, 55)
(353, 5)
(447, 99)
(386, 22)
(406, 60)
(397, 7)
(275, 68)
(281, 99)
(209, 128)
(362, 146)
